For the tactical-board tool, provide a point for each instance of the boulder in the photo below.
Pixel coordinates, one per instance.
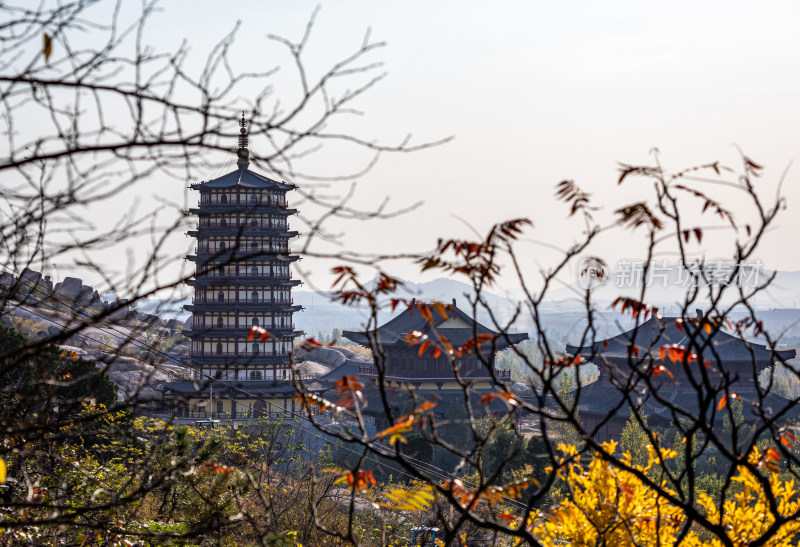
(331, 357)
(151, 320)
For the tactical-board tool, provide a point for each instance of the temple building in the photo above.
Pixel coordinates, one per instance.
(600, 404)
(242, 280)
(405, 367)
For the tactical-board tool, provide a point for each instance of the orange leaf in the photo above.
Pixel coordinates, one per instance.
(441, 308)
(310, 344)
(425, 345)
(673, 353)
(507, 397)
(403, 425)
(661, 369)
(722, 402)
(662, 352)
(786, 442)
(773, 454)
(425, 312)
(507, 516)
(437, 352)
(427, 405)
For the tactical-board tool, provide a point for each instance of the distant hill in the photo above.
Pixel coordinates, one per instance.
(563, 311)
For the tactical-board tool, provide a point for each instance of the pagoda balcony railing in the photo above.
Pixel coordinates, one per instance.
(246, 203)
(198, 327)
(212, 300)
(243, 226)
(244, 251)
(242, 359)
(246, 355)
(215, 273)
(390, 374)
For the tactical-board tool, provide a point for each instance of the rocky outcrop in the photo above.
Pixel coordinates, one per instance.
(70, 296)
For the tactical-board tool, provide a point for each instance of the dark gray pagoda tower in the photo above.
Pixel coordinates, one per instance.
(242, 280)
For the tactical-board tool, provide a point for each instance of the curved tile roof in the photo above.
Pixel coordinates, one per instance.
(245, 178)
(395, 330)
(655, 333)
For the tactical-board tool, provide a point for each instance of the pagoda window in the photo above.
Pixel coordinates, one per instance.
(255, 321)
(254, 223)
(222, 221)
(220, 322)
(254, 270)
(223, 198)
(219, 407)
(255, 375)
(222, 246)
(220, 296)
(220, 270)
(253, 199)
(256, 349)
(254, 296)
(219, 348)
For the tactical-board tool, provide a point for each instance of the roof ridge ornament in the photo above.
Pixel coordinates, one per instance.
(243, 152)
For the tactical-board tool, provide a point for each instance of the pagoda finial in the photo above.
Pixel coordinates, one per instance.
(243, 152)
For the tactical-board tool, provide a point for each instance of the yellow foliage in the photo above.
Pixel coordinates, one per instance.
(608, 505)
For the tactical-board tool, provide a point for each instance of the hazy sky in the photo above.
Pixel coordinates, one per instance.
(535, 92)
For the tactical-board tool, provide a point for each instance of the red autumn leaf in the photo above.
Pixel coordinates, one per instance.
(679, 324)
(414, 337)
(698, 233)
(425, 345)
(361, 480)
(506, 516)
(662, 352)
(441, 308)
(661, 369)
(507, 397)
(722, 402)
(425, 312)
(786, 442)
(437, 352)
(310, 344)
(673, 353)
(427, 405)
(773, 454)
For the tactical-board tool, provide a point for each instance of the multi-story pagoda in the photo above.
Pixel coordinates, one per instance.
(242, 281)
(405, 367)
(601, 404)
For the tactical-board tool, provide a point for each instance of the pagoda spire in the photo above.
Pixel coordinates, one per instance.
(243, 152)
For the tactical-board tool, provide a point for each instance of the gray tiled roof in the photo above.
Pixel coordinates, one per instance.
(395, 330)
(656, 333)
(244, 178)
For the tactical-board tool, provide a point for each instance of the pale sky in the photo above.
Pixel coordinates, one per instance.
(534, 92)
